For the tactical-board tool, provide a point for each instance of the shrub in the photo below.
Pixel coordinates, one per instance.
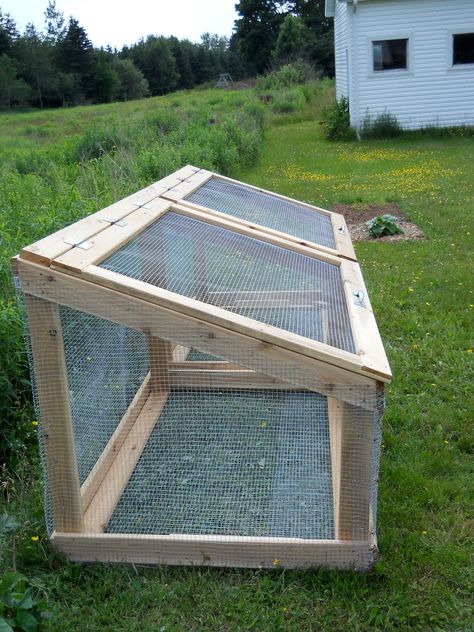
(288, 75)
(385, 125)
(337, 122)
(383, 225)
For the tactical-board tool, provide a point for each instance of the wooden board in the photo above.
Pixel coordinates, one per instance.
(230, 320)
(53, 246)
(96, 476)
(154, 319)
(367, 340)
(342, 238)
(354, 459)
(110, 239)
(57, 436)
(114, 482)
(241, 552)
(226, 378)
(256, 233)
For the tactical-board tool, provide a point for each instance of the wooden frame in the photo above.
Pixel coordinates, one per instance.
(53, 273)
(343, 243)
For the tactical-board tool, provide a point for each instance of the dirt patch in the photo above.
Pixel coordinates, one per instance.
(357, 215)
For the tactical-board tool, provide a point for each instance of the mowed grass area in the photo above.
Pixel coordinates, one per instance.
(423, 296)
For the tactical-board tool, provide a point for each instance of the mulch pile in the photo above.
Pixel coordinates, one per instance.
(356, 217)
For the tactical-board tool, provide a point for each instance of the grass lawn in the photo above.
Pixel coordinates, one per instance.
(423, 296)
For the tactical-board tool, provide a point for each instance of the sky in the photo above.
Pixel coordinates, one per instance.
(119, 22)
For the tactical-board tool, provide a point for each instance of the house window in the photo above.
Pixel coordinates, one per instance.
(390, 54)
(463, 48)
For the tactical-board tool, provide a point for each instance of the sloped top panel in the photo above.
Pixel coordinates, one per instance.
(267, 283)
(259, 207)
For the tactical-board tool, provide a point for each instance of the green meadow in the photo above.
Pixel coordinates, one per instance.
(58, 166)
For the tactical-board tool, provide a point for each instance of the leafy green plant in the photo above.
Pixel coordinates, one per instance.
(21, 606)
(337, 125)
(383, 225)
(286, 76)
(384, 125)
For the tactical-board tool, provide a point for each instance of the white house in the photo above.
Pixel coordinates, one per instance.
(412, 58)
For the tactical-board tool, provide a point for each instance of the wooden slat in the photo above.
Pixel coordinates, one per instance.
(288, 298)
(256, 233)
(53, 246)
(266, 358)
(335, 426)
(96, 476)
(241, 552)
(367, 340)
(160, 354)
(188, 186)
(180, 353)
(114, 482)
(205, 365)
(227, 379)
(253, 226)
(176, 178)
(355, 439)
(227, 319)
(109, 240)
(44, 323)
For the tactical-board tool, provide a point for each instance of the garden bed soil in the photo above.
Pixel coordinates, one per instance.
(358, 215)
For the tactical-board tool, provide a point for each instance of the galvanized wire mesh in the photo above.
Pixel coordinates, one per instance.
(225, 462)
(267, 210)
(267, 283)
(211, 456)
(106, 363)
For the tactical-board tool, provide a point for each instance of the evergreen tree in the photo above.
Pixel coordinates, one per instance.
(291, 39)
(75, 56)
(8, 32)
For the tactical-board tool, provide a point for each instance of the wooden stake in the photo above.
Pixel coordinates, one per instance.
(56, 422)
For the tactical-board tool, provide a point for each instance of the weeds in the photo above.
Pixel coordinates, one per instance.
(337, 122)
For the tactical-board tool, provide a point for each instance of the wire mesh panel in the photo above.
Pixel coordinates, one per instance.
(106, 363)
(233, 462)
(267, 210)
(241, 274)
(174, 436)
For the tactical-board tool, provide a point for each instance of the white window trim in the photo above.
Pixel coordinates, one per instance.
(395, 72)
(450, 49)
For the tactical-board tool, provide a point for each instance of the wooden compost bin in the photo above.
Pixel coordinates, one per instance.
(209, 380)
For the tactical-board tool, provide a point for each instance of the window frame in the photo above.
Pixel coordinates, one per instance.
(450, 49)
(390, 71)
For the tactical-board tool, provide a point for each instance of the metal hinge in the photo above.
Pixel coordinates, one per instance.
(360, 295)
(83, 244)
(341, 230)
(114, 222)
(142, 205)
(17, 282)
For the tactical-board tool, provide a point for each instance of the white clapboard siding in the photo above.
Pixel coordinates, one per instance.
(432, 91)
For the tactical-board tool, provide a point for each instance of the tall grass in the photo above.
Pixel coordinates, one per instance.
(59, 166)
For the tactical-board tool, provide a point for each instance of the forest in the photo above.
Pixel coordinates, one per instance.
(57, 65)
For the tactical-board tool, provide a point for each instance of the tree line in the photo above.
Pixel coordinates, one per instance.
(59, 66)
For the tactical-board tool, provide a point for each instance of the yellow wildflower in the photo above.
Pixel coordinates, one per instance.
(34, 423)
(276, 562)
(35, 538)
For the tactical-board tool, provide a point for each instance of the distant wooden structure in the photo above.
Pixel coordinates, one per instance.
(224, 80)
